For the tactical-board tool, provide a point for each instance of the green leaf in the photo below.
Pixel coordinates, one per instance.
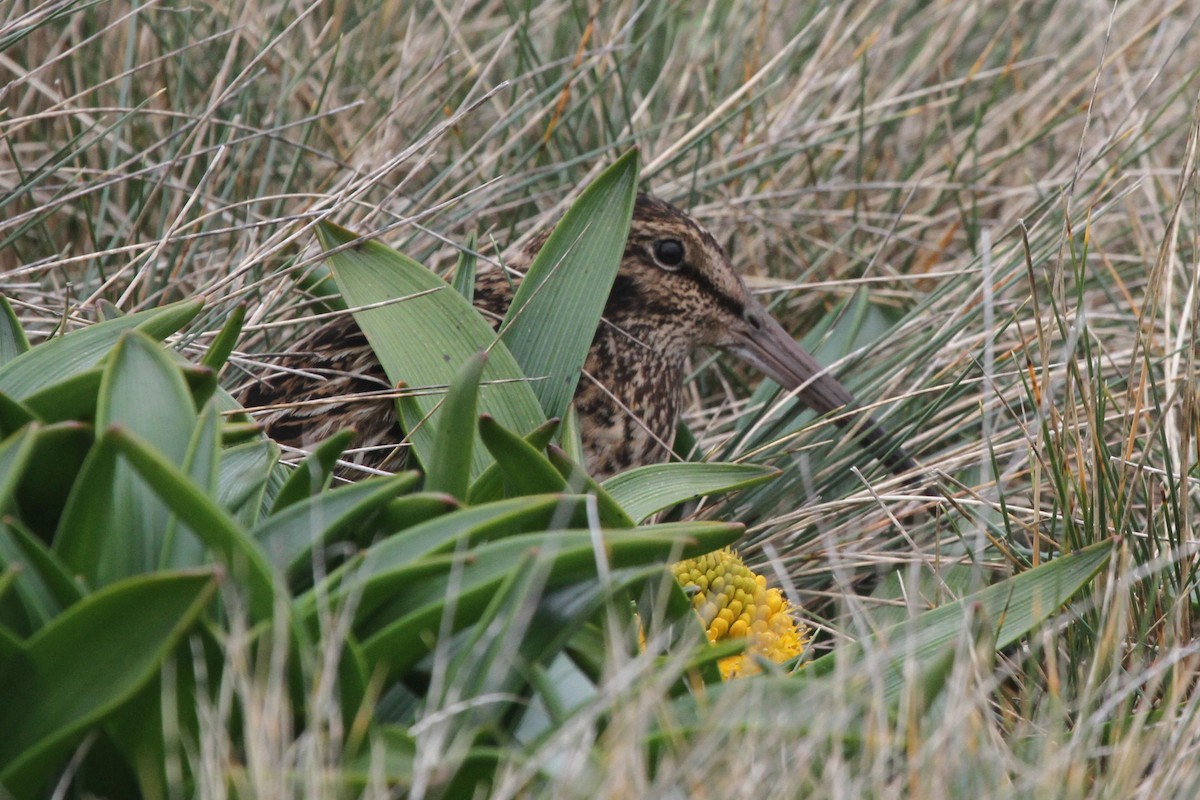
(419, 596)
(609, 511)
(14, 455)
(243, 475)
(225, 540)
(318, 282)
(85, 664)
(12, 336)
(72, 398)
(450, 465)
(553, 317)
(114, 525)
(41, 587)
(524, 469)
(53, 468)
(181, 546)
(442, 534)
(644, 491)
(218, 352)
(289, 537)
(14, 415)
(405, 512)
(424, 339)
(527, 472)
(313, 473)
(490, 485)
(77, 351)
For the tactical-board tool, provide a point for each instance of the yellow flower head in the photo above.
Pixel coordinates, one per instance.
(734, 603)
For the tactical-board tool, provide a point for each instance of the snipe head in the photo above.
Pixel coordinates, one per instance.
(676, 291)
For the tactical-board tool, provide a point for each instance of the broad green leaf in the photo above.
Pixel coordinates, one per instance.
(77, 351)
(609, 511)
(54, 465)
(490, 485)
(398, 633)
(181, 547)
(405, 512)
(313, 473)
(72, 398)
(14, 415)
(14, 455)
(1013, 607)
(218, 352)
(224, 539)
(243, 475)
(41, 586)
(553, 317)
(12, 336)
(85, 664)
(571, 440)
(427, 335)
(524, 469)
(450, 465)
(289, 536)
(442, 534)
(643, 491)
(114, 525)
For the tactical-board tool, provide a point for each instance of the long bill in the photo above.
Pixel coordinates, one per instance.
(763, 343)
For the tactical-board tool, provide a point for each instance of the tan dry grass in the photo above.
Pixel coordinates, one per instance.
(956, 159)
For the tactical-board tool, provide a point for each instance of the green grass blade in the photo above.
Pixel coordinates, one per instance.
(464, 271)
(1014, 607)
(289, 536)
(461, 528)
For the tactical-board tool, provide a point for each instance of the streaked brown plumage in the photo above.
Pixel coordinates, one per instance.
(675, 292)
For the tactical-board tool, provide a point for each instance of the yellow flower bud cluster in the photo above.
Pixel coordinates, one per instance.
(735, 603)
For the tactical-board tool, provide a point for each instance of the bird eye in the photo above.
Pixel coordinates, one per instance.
(669, 253)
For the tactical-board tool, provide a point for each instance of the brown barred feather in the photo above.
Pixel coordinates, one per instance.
(659, 311)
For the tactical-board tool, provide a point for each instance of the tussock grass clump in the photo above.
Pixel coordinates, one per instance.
(982, 215)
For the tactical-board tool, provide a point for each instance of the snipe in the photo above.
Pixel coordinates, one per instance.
(675, 292)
